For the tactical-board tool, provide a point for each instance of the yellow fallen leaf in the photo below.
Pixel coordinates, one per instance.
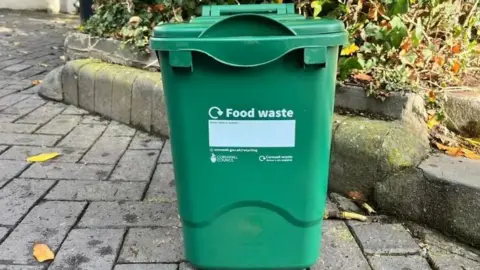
(470, 154)
(43, 157)
(432, 122)
(354, 216)
(42, 253)
(36, 82)
(475, 141)
(350, 49)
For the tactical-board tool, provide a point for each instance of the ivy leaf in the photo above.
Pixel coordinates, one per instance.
(398, 7)
(317, 7)
(347, 65)
(398, 32)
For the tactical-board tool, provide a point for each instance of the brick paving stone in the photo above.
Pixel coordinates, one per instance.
(162, 187)
(18, 196)
(339, 249)
(43, 114)
(136, 165)
(3, 148)
(94, 119)
(73, 171)
(16, 68)
(443, 260)
(8, 118)
(47, 223)
(9, 169)
(74, 110)
(11, 99)
(80, 190)
(6, 92)
(89, 249)
(413, 262)
(7, 63)
(106, 150)
(152, 245)
(22, 152)
(185, 266)
(145, 267)
(129, 214)
(385, 239)
(144, 140)
(116, 129)
(3, 233)
(25, 106)
(166, 155)
(21, 267)
(32, 71)
(18, 128)
(82, 136)
(29, 139)
(61, 125)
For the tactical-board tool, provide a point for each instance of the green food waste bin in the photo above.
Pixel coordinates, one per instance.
(249, 94)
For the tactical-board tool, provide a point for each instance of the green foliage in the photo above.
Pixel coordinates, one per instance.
(396, 45)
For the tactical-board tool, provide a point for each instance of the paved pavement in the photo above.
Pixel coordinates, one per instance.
(108, 202)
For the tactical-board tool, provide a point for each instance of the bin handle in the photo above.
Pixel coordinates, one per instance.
(219, 10)
(247, 40)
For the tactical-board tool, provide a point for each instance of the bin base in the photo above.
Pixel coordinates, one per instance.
(252, 238)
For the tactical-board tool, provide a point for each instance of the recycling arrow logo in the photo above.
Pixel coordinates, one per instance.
(215, 112)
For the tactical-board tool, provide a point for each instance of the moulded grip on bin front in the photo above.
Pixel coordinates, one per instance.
(218, 10)
(235, 41)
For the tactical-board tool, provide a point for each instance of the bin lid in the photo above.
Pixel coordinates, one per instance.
(282, 13)
(248, 35)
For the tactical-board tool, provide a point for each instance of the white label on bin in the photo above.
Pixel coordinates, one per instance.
(251, 133)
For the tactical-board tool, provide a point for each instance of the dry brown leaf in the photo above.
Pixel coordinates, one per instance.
(456, 48)
(42, 253)
(456, 67)
(363, 77)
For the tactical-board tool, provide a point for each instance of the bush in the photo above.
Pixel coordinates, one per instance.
(396, 45)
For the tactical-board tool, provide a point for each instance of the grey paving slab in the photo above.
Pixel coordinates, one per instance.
(152, 245)
(43, 114)
(129, 214)
(29, 139)
(411, 262)
(95, 119)
(3, 232)
(185, 266)
(6, 92)
(73, 110)
(82, 136)
(10, 62)
(21, 267)
(61, 125)
(443, 260)
(16, 68)
(47, 223)
(149, 266)
(3, 148)
(11, 99)
(339, 249)
(432, 238)
(106, 150)
(18, 196)
(29, 72)
(379, 239)
(25, 106)
(144, 140)
(8, 118)
(136, 165)
(162, 187)
(18, 128)
(22, 152)
(73, 171)
(81, 190)
(89, 249)
(116, 129)
(166, 155)
(9, 169)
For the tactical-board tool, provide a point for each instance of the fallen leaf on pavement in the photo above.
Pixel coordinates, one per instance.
(43, 157)
(36, 82)
(42, 253)
(432, 122)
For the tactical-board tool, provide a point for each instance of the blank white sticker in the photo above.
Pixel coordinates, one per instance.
(251, 133)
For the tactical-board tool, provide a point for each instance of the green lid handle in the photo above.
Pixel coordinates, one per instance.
(219, 10)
